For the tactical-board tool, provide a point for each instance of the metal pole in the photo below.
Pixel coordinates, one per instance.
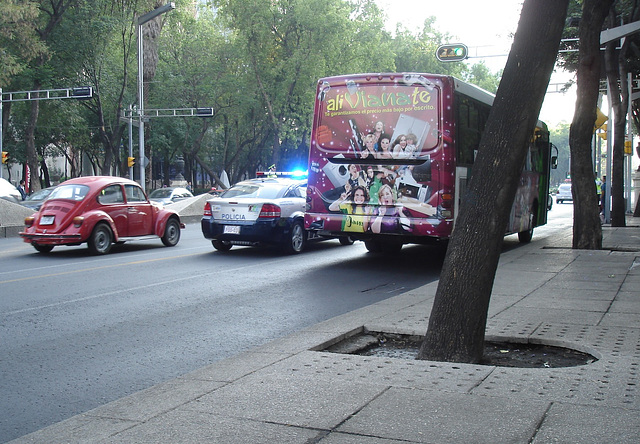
(629, 171)
(141, 108)
(130, 141)
(607, 190)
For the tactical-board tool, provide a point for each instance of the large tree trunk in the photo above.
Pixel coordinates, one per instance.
(459, 315)
(30, 142)
(587, 231)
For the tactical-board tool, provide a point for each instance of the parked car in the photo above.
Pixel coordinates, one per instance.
(266, 210)
(36, 199)
(169, 195)
(99, 210)
(564, 193)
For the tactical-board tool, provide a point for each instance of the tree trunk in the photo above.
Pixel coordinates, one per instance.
(459, 315)
(587, 231)
(30, 142)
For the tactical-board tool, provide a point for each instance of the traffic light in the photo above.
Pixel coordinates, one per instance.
(454, 52)
(131, 161)
(5, 157)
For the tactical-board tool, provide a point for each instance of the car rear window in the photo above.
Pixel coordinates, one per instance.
(250, 190)
(73, 192)
(162, 192)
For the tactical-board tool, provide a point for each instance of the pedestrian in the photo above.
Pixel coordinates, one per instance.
(23, 193)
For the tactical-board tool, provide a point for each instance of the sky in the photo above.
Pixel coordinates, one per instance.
(487, 28)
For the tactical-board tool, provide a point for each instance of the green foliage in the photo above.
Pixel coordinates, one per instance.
(19, 42)
(255, 62)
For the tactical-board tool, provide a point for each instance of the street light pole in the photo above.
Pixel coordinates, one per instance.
(141, 21)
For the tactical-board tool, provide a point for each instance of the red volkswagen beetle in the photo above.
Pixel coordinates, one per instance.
(99, 210)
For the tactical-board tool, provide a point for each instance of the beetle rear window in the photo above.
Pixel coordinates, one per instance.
(71, 192)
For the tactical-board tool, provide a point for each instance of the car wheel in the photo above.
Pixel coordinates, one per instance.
(558, 201)
(346, 240)
(297, 239)
(100, 240)
(43, 248)
(221, 245)
(171, 233)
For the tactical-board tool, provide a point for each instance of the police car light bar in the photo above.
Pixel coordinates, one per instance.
(294, 174)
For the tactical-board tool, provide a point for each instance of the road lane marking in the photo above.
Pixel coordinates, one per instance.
(102, 267)
(129, 289)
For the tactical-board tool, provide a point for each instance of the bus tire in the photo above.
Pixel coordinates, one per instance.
(391, 246)
(346, 240)
(373, 246)
(526, 236)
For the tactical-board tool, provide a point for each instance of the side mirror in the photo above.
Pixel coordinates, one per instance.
(554, 157)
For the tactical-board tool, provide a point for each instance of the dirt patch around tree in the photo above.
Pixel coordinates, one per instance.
(501, 354)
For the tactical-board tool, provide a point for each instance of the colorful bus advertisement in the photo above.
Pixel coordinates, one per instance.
(391, 154)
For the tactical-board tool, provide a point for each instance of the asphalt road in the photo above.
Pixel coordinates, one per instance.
(79, 331)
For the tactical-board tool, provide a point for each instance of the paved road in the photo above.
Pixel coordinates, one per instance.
(79, 331)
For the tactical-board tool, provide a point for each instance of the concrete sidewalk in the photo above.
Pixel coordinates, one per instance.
(289, 391)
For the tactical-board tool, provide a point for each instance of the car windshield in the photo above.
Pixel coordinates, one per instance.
(252, 190)
(72, 192)
(160, 193)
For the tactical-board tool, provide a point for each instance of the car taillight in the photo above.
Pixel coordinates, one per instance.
(207, 209)
(77, 221)
(28, 221)
(269, 211)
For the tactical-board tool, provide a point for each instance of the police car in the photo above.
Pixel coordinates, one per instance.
(266, 210)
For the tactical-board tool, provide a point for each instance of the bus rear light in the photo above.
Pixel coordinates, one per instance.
(207, 209)
(77, 221)
(447, 200)
(447, 214)
(269, 211)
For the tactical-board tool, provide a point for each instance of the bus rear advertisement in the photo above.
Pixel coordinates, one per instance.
(391, 155)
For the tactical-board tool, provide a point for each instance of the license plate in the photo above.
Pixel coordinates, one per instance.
(46, 220)
(232, 229)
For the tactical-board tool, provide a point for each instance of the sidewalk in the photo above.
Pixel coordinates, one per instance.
(287, 392)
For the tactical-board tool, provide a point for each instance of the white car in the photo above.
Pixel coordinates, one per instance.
(169, 195)
(266, 210)
(564, 193)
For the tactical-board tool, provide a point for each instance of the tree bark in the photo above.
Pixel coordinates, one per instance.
(587, 231)
(459, 315)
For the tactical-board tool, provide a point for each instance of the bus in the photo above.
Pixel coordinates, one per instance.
(391, 155)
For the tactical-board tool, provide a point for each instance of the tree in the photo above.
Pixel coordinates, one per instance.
(459, 315)
(617, 67)
(288, 48)
(587, 231)
(18, 39)
(51, 16)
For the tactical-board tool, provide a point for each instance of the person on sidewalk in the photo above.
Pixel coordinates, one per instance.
(23, 193)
